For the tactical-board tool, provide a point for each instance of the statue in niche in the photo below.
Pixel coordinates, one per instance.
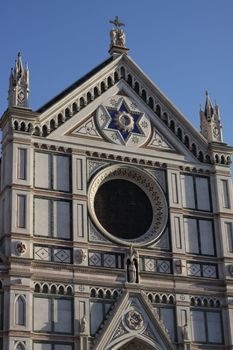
(117, 35)
(132, 264)
(83, 325)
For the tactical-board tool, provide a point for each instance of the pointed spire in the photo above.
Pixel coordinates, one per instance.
(208, 106)
(211, 127)
(18, 85)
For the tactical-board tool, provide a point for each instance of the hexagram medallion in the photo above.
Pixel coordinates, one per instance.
(121, 122)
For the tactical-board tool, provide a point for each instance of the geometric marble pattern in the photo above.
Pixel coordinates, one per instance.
(150, 264)
(105, 260)
(51, 253)
(202, 270)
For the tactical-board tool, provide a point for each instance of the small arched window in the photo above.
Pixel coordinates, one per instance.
(20, 311)
(88, 97)
(194, 149)
(144, 96)
(122, 72)
(116, 76)
(23, 126)
(151, 103)
(130, 80)
(136, 87)
(165, 118)
(222, 160)
(186, 141)
(74, 107)
(102, 87)
(67, 113)
(44, 130)
(60, 119)
(96, 92)
(200, 156)
(110, 83)
(52, 125)
(172, 126)
(158, 110)
(179, 134)
(81, 102)
(16, 125)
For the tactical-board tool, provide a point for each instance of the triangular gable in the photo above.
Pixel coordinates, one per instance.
(76, 101)
(133, 318)
(81, 129)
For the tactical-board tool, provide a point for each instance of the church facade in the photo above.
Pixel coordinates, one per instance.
(116, 217)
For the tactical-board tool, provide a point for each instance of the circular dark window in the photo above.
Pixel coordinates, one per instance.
(123, 209)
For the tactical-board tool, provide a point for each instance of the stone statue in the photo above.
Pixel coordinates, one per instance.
(83, 325)
(132, 272)
(117, 35)
(132, 266)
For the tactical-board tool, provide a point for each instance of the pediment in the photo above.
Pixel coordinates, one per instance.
(101, 123)
(133, 320)
(81, 108)
(119, 120)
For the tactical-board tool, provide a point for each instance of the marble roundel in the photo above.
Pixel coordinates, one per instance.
(120, 121)
(127, 205)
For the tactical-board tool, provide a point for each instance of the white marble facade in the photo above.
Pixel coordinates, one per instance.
(68, 282)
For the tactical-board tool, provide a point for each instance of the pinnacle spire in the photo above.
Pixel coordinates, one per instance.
(211, 127)
(19, 84)
(208, 106)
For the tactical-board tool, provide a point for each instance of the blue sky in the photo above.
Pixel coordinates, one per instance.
(185, 46)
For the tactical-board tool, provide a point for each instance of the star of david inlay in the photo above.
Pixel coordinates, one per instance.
(122, 125)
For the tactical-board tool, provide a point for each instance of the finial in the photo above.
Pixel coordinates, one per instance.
(206, 93)
(117, 22)
(117, 36)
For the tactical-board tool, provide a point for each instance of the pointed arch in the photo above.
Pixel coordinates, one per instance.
(144, 95)
(81, 103)
(122, 70)
(102, 86)
(23, 126)
(186, 141)
(96, 92)
(151, 103)
(44, 130)
(130, 80)
(136, 87)
(131, 342)
(158, 110)
(59, 119)
(194, 149)
(179, 134)
(16, 125)
(116, 76)
(74, 107)
(52, 125)
(89, 97)
(165, 118)
(200, 156)
(20, 310)
(37, 131)
(20, 346)
(67, 113)
(172, 125)
(110, 82)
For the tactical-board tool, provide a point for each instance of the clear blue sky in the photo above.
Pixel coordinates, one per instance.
(185, 46)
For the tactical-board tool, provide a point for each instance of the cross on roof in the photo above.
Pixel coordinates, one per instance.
(117, 22)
